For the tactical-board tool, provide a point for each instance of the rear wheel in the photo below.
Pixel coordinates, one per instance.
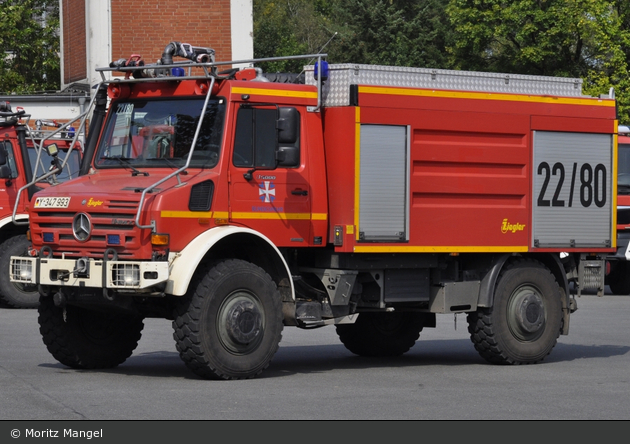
(524, 323)
(86, 339)
(382, 334)
(230, 326)
(11, 293)
(619, 278)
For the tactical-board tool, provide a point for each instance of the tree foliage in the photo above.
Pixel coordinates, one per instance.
(290, 27)
(29, 58)
(387, 32)
(391, 32)
(589, 39)
(566, 38)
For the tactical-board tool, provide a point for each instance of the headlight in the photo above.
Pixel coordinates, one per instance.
(22, 270)
(126, 275)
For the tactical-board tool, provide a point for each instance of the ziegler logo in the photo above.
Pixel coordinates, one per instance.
(94, 203)
(507, 227)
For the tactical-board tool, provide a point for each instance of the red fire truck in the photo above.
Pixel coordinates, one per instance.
(618, 272)
(22, 160)
(370, 198)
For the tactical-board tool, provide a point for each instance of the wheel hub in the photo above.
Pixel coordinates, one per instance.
(527, 314)
(240, 323)
(243, 322)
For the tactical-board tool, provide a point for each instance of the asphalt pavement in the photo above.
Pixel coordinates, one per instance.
(313, 377)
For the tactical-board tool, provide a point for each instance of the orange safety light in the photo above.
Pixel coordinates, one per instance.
(159, 239)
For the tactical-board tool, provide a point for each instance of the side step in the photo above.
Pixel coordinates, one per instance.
(311, 314)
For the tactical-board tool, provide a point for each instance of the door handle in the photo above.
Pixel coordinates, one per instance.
(300, 192)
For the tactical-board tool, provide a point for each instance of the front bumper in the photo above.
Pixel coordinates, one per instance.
(85, 272)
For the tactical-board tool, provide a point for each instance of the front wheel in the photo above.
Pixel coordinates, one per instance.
(230, 325)
(382, 334)
(12, 293)
(87, 339)
(524, 323)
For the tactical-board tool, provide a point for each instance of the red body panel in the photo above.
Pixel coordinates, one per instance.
(470, 162)
(469, 173)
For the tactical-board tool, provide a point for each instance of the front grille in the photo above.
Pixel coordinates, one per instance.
(115, 217)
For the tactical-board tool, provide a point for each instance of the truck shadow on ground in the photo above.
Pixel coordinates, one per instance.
(314, 359)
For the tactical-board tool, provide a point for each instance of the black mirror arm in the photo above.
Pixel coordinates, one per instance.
(249, 174)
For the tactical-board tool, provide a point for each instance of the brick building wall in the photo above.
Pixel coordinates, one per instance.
(145, 27)
(118, 28)
(74, 67)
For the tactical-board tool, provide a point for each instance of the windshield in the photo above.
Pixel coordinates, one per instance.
(159, 133)
(623, 165)
(70, 171)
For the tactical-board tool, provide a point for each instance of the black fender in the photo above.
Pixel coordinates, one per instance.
(551, 261)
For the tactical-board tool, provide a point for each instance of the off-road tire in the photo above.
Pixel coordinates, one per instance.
(13, 294)
(229, 326)
(87, 339)
(381, 334)
(524, 323)
(619, 279)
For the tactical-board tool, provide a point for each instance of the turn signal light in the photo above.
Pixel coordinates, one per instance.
(159, 239)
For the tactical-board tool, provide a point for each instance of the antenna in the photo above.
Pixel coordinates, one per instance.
(320, 51)
(322, 48)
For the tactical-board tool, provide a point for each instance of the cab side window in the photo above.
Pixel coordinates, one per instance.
(261, 136)
(10, 159)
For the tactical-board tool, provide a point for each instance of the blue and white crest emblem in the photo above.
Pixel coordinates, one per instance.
(267, 191)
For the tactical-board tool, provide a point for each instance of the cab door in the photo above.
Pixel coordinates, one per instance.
(269, 184)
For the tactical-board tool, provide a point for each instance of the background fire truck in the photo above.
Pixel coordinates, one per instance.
(21, 160)
(370, 198)
(618, 276)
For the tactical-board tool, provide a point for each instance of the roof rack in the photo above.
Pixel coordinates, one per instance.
(163, 72)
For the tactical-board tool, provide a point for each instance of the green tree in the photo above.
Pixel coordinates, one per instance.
(290, 27)
(29, 42)
(392, 32)
(569, 38)
(387, 32)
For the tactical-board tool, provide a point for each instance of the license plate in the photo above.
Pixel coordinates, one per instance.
(52, 202)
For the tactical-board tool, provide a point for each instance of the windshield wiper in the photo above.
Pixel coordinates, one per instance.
(124, 161)
(165, 160)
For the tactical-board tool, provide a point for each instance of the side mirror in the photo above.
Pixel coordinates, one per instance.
(288, 156)
(5, 172)
(288, 125)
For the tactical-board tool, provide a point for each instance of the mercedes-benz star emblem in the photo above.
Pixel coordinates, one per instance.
(81, 227)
